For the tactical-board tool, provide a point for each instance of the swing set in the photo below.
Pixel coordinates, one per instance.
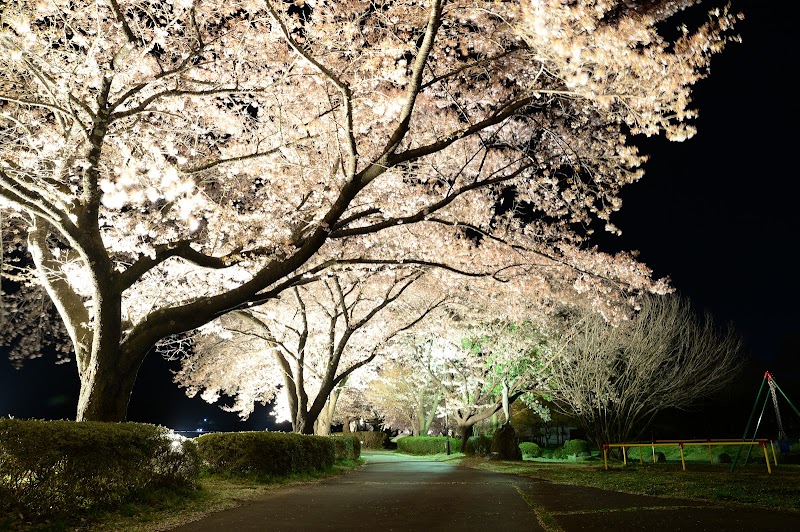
(772, 394)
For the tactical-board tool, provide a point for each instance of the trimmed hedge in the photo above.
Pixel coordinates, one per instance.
(530, 449)
(372, 439)
(265, 454)
(52, 468)
(347, 446)
(576, 447)
(420, 445)
(480, 444)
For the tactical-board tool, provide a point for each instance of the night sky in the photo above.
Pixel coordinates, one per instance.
(717, 214)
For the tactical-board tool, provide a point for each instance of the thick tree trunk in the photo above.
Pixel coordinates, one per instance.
(108, 377)
(306, 427)
(322, 427)
(300, 423)
(106, 388)
(466, 432)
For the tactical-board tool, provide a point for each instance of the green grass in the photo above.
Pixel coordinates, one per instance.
(698, 453)
(749, 485)
(166, 509)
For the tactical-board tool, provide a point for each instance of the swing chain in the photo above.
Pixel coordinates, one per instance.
(781, 433)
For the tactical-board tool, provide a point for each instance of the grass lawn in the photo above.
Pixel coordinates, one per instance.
(748, 485)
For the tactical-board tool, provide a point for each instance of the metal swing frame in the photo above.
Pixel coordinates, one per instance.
(769, 380)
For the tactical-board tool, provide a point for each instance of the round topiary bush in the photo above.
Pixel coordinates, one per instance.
(530, 449)
(576, 447)
(480, 445)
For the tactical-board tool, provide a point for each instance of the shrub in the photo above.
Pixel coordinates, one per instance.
(66, 468)
(372, 439)
(530, 449)
(420, 445)
(559, 454)
(347, 446)
(576, 447)
(480, 444)
(265, 454)
(318, 453)
(505, 444)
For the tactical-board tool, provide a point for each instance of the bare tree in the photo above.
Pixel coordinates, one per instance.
(615, 379)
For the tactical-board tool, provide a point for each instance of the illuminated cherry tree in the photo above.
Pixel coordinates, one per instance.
(405, 395)
(482, 369)
(353, 405)
(304, 347)
(172, 161)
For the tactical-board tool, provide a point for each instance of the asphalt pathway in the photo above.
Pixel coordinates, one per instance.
(396, 492)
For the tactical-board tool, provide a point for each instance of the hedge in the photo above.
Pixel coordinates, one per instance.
(480, 445)
(52, 468)
(265, 454)
(347, 446)
(420, 445)
(372, 439)
(530, 449)
(576, 447)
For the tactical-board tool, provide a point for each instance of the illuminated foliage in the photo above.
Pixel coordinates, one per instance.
(173, 161)
(302, 349)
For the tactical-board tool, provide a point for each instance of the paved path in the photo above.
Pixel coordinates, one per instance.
(392, 492)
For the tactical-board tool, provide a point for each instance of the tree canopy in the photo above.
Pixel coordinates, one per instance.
(165, 163)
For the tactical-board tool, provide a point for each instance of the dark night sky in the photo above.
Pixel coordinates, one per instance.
(717, 214)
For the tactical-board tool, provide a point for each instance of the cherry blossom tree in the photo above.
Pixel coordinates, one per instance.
(615, 379)
(305, 346)
(174, 161)
(31, 326)
(353, 403)
(405, 395)
(482, 369)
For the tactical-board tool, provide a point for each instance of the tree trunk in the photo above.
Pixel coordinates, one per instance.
(322, 427)
(106, 388)
(109, 374)
(301, 425)
(506, 402)
(426, 420)
(466, 432)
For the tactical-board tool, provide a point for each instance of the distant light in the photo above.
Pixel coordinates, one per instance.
(199, 430)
